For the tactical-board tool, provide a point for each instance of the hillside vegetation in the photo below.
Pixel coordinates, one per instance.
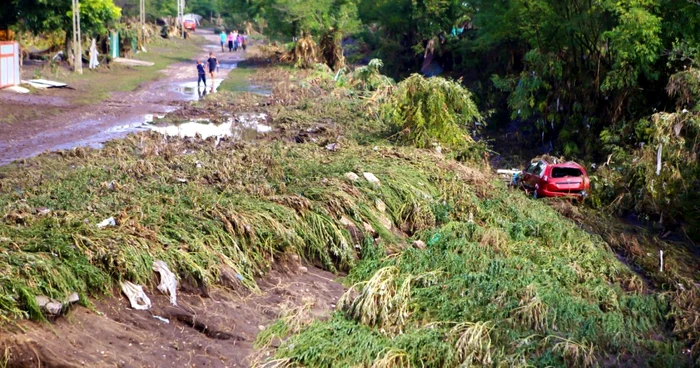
(497, 279)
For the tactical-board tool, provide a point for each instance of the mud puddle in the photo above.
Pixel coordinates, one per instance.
(240, 127)
(193, 92)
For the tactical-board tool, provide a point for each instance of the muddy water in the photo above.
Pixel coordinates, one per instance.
(239, 127)
(116, 117)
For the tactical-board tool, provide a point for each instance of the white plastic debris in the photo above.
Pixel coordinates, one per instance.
(371, 178)
(351, 176)
(161, 319)
(168, 282)
(658, 159)
(137, 297)
(107, 222)
(333, 147)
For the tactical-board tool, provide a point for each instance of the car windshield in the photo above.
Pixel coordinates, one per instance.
(562, 172)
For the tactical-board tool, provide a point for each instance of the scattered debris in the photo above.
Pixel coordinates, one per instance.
(132, 62)
(107, 222)
(43, 211)
(137, 298)
(168, 282)
(161, 319)
(53, 307)
(16, 89)
(351, 176)
(371, 178)
(419, 244)
(44, 83)
(333, 147)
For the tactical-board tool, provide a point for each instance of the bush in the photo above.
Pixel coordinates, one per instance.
(425, 111)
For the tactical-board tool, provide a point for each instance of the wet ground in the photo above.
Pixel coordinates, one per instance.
(216, 330)
(124, 112)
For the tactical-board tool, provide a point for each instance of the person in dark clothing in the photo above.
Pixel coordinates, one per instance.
(202, 74)
(213, 67)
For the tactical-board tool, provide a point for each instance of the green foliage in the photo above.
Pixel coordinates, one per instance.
(51, 15)
(632, 182)
(431, 110)
(517, 286)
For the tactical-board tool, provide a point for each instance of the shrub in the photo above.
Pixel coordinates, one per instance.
(425, 111)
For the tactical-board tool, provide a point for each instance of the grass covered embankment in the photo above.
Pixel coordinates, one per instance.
(502, 280)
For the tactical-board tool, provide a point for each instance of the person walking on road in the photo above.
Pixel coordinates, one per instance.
(202, 74)
(235, 41)
(240, 41)
(223, 39)
(213, 68)
(230, 41)
(244, 42)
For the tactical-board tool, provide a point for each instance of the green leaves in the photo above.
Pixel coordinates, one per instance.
(431, 110)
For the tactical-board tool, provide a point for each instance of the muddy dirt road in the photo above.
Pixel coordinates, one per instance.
(121, 113)
(218, 330)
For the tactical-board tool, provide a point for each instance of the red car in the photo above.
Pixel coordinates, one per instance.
(190, 24)
(546, 179)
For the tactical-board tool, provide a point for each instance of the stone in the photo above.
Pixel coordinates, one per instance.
(385, 221)
(372, 179)
(419, 244)
(351, 176)
(381, 206)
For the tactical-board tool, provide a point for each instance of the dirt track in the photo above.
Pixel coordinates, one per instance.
(75, 126)
(114, 335)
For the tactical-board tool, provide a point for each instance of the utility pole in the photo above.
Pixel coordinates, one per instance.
(77, 48)
(181, 16)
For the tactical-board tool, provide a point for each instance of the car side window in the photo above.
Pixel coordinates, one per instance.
(538, 169)
(531, 168)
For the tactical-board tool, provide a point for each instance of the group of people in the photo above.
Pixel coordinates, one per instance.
(213, 65)
(235, 41)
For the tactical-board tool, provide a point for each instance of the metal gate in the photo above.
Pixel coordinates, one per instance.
(9, 64)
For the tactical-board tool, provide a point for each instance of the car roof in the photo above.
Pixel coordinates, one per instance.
(569, 164)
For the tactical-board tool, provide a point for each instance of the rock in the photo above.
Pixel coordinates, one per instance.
(303, 269)
(42, 300)
(73, 298)
(371, 178)
(381, 206)
(354, 231)
(351, 176)
(385, 221)
(369, 228)
(53, 308)
(419, 244)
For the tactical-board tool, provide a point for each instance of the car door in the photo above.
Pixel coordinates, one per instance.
(534, 178)
(527, 175)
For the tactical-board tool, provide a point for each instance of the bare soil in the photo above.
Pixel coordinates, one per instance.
(214, 328)
(57, 123)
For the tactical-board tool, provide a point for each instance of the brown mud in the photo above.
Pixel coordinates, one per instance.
(57, 124)
(211, 328)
